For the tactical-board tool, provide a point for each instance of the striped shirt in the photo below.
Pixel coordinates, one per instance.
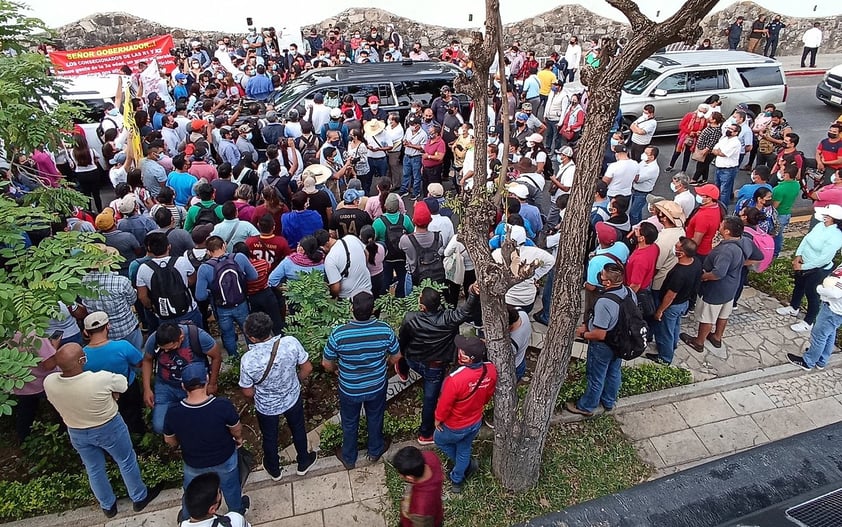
(361, 348)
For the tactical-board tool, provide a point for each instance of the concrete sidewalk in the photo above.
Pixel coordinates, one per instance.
(676, 436)
(824, 61)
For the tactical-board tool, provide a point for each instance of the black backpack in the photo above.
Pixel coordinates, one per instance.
(428, 261)
(169, 294)
(309, 149)
(207, 215)
(194, 260)
(394, 232)
(627, 339)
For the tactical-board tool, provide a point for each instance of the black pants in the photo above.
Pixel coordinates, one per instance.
(753, 154)
(771, 47)
(431, 175)
(805, 285)
(812, 53)
(265, 301)
(130, 405)
(685, 160)
(25, 412)
(703, 169)
(635, 150)
(444, 168)
(89, 186)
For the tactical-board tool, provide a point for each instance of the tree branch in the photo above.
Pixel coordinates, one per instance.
(629, 8)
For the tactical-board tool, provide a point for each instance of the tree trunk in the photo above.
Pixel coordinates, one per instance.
(521, 432)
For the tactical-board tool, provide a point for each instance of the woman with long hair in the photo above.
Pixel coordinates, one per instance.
(272, 205)
(536, 152)
(375, 253)
(87, 170)
(358, 154)
(374, 206)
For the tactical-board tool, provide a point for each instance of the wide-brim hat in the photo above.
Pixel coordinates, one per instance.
(374, 127)
(672, 210)
(320, 173)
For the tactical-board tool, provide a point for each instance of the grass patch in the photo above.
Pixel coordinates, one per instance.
(643, 378)
(582, 461)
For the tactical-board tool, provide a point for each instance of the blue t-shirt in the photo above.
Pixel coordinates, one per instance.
(747, 191)
(203, 430)
(205, 275)
(182, 184)
(597, 263)
(361, 348)
(288, 270)
(298, 224)
(170, 363)
(116, 356)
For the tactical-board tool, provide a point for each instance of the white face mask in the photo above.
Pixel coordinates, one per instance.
(644, 157)
(699, 199)
(819, 216)
(672, 187)
(221, 47)
(700, 114)
(781, 177)
(832, 178)
(373, 106)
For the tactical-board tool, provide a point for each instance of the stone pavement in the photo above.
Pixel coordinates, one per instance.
(676, 436)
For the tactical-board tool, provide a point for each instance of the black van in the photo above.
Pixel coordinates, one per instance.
(397, 84)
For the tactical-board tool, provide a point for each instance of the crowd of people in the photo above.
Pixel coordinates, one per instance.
(211, 221)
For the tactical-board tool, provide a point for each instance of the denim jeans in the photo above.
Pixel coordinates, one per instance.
(226, 317)
(456, 445)
(725, 181)
(822, 337)
(349, 412)
(135, 338)
(805, 285)
(604, 378)
(520, 370)
(379, 167)
(411, 175)
(667, 329)
(546, 297)
(783, 220)
(433, 379)
(113, 438)
(229, 482)
(392, 269)
(552, 136)
(269, 432)
(166, 395)
(638, 202)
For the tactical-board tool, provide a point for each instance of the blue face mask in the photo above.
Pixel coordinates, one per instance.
(614, 142)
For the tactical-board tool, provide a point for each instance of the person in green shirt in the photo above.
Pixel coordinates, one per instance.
(204, 191)
(783, 196)
(395, 263)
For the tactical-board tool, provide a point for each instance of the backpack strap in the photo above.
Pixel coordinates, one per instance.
(344, 273)
(223, 521)
(193, 337)
(232, 233)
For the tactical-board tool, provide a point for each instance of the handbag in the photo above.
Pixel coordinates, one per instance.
(700, 155)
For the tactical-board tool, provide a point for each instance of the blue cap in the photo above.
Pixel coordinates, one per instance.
(180, 77)
(194, 374)
(352, 195)
(522, 116)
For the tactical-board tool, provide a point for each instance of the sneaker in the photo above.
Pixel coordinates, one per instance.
(387, 443)
(571, 407)
(274, 477)
(537, 318)
(110, 513)
(489, 422)
(404, 194)
(246, 503)
(456, 488)
(798, 361)
(308, 463)
(801, 327)
(821, 366)
(788, 310)
(607, 410)
(668, 169)
(151, 494)
(425, 440)
(654, 357)
(338, 454)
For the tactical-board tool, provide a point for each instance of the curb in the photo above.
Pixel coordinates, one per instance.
(804, 72)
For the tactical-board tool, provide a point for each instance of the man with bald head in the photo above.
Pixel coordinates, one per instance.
(87, 402)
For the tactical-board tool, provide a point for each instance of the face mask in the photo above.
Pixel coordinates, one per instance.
(113, 112)
(674, 252)
(221, 47)
(428, 119)
(555, 89)
(672, 187)
(644, 157)
(248, 136)
(530, 144)
(614, 142)
(335, 142)
(700, 114)
(832, 135)
(833, 178)
(699, 199)
(220, 76)
(160, 157)
(342, 57)
(245, 46)
(374, 106)
(781, 177)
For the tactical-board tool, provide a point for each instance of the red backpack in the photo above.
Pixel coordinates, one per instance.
(766, 244)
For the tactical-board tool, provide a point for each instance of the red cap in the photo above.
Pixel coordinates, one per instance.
(605, 233)
(422, 216)
(373, 98)
(710, 190)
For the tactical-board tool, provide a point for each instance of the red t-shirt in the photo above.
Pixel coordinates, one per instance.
(262, 210)
(640, 268)
(271, 248)
(830, 150)
(430, 149)
(458, 407)
(423, 500)
(706, 220)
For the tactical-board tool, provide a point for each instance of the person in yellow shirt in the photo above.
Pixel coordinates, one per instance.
(546, 77)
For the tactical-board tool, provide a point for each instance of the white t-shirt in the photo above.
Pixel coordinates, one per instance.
(648, 125)
(118, 175)
(647, 176)
(336, 261)
(442, 225)
(524, 293)
(621, 174)
(182, 265)
(237, 520)
(732, 148)
(565, 176)
(521, 337)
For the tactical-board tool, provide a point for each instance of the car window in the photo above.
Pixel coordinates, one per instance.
(361, 93)
(639, 80)
(708, 80)
(675, 83)
(761, 76)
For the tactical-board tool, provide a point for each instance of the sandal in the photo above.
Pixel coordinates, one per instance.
(687, 339)
(716, 343)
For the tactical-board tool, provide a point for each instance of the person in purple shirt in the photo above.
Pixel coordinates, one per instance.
(301, 221)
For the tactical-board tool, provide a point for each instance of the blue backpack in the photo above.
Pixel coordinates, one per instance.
(229, 282)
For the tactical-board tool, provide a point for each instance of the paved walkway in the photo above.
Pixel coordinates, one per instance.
(676, 436)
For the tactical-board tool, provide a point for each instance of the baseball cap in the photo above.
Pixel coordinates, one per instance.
(518, 190)
(453, 103)
(355, 184)
(96, 320)
(373, 98)
(833, 210)
(392, 203)
(335, 113)
(518, 234)
(605, 233)
(194, 374)
(180, 77)
(526, 107)
(472, 347)
(422, 216)
(432, 204)
(319, 98)
(105, 219)
(351, 196)
(565, 150)
(445, 89)
(119, 158)
(492, 130)
(710, 190)
(651, 199)
(127, 204)
(520, 116)
(535, 138)
(435, 190)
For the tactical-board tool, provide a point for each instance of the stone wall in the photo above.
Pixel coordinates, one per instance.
(544, 33)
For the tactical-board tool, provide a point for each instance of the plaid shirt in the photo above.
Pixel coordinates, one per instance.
(116, 298)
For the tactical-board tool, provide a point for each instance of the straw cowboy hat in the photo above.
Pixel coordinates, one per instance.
(321, 173)
(374, 127)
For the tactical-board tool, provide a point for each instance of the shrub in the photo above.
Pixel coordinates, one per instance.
(49, 450)
(396, 427)
(643, 378)
(314, 312)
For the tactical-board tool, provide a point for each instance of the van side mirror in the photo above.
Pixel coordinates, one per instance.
(659, 93)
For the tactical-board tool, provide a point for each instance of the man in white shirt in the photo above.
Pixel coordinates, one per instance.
(746, 135)
(681, 186)
(319, 112)
(727, 152)
(642, 129)
(438, 223)
(812, 40)
(522, 295)
(345, 268)
(644, 182)
(619, 176)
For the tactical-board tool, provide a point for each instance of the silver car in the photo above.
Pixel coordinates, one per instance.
(676, 83)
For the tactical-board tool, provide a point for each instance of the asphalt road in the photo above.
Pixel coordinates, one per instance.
(808, 117)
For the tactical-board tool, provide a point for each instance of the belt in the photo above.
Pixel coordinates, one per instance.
(436, 364)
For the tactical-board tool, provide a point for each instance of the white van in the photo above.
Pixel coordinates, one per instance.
(92, 92)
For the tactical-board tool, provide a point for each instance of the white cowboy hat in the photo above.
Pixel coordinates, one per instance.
(374, 127)
(320, 173)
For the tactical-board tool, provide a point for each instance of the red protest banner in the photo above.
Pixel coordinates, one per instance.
(109, 59)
